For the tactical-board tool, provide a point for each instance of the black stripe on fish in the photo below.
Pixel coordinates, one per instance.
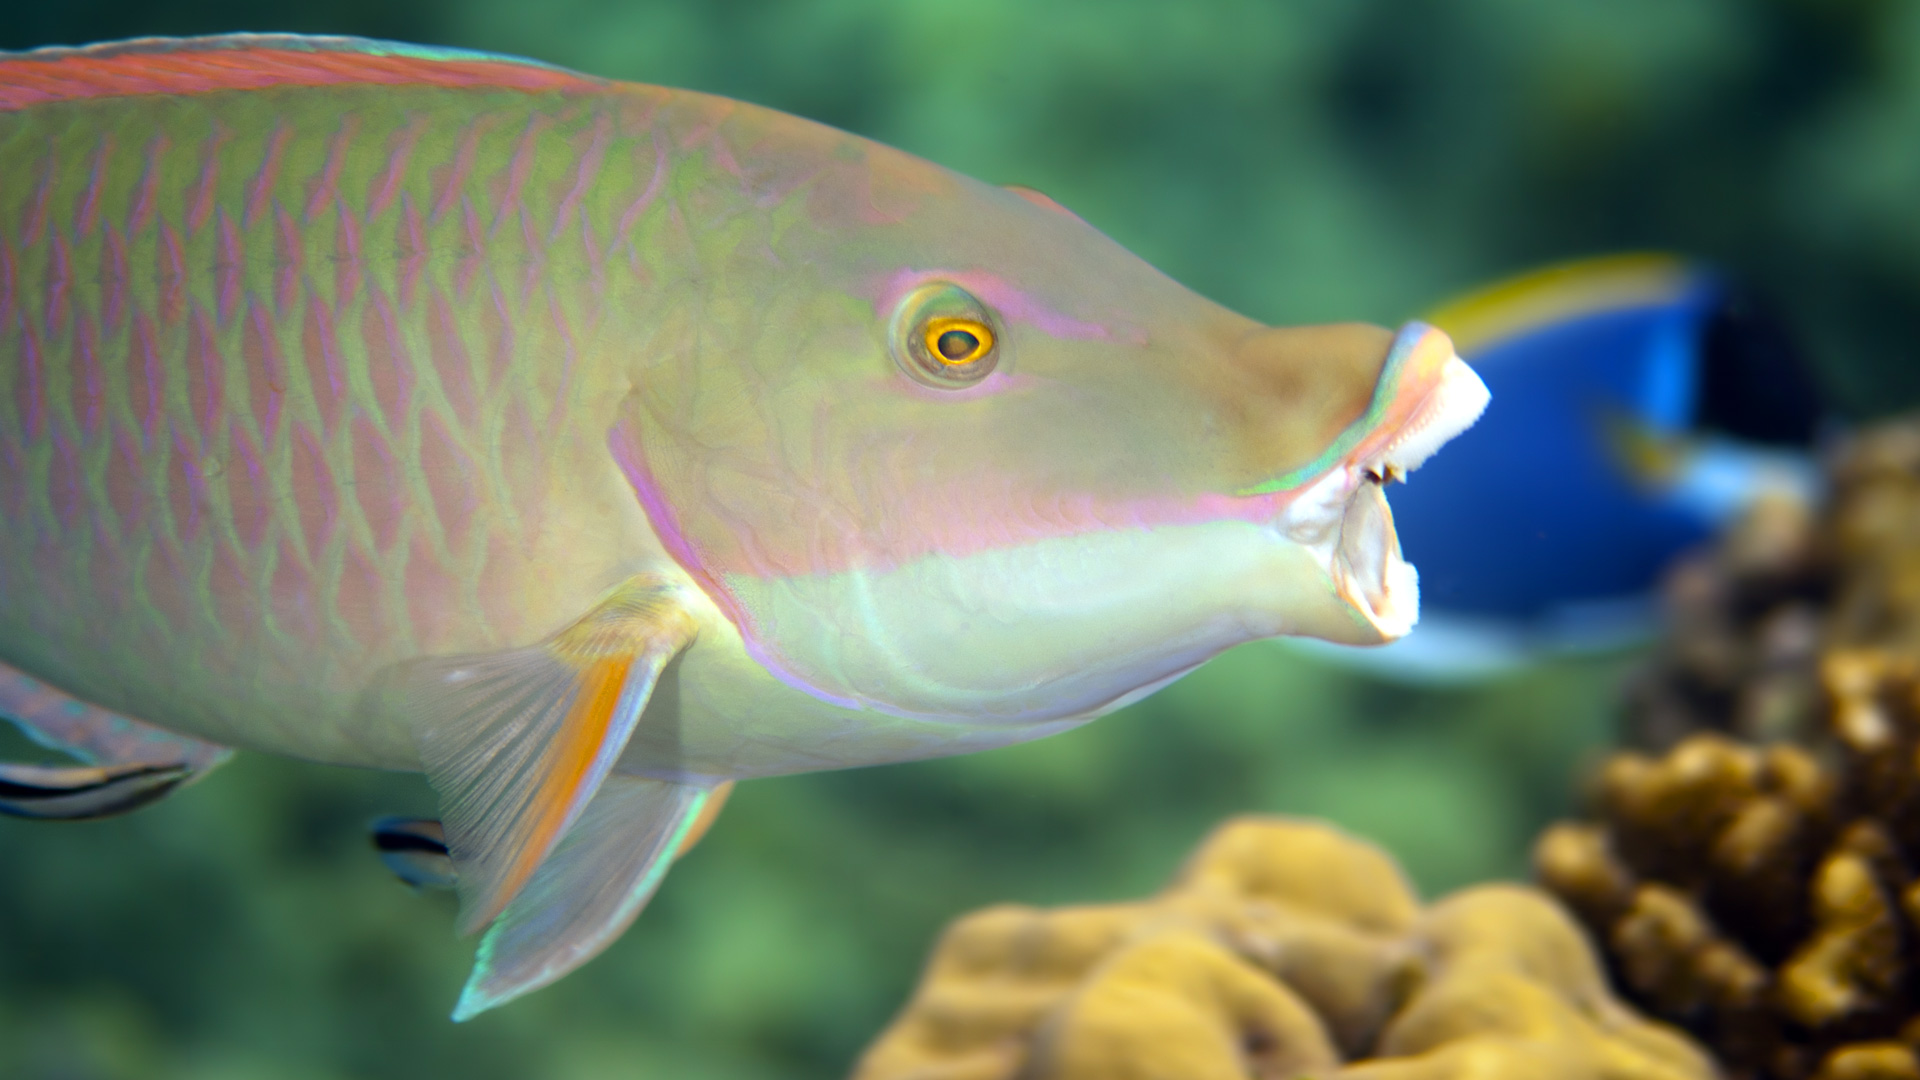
(415, 850)
(84, 792)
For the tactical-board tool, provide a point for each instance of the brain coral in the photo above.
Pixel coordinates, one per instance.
(1285, 949)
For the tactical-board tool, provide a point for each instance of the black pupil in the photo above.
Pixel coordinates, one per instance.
(957, 344)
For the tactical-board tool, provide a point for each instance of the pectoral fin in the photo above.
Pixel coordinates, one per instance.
(587, 891)
(517, 742)
(128, 764)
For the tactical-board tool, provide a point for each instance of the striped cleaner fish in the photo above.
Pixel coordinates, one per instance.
(589, 445)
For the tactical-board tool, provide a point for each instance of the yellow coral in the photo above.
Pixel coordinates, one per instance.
(1284, 949)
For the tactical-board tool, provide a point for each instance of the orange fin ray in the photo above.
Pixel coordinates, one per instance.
(517, 742)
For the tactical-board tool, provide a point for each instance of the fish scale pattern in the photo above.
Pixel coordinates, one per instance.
(281, 376)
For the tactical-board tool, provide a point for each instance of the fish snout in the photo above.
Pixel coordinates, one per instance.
(1292, 391)
(1424, 395)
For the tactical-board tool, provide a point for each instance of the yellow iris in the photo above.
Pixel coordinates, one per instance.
(956, 342)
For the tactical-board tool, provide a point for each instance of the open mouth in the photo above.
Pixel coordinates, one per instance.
(1429, 396)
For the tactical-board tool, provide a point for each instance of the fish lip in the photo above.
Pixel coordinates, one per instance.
(1343, 516)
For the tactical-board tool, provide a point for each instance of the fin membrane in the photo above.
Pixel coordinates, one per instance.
(84, 792)
(587, 892)
(517, 742)
(128, 764)
(415, 849)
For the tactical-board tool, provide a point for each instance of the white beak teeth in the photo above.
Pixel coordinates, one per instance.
(1365, 562)
(1452, 406)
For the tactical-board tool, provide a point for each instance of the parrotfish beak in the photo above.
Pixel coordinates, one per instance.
(1425, 396)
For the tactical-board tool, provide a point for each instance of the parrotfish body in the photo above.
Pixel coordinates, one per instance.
(588, 445)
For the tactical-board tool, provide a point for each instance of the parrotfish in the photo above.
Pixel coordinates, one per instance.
(589, 446)
(1646, 401)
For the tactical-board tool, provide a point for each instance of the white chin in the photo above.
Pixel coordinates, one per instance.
(1344, 518)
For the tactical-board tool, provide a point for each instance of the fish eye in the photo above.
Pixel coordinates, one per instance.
(944, 337)
(958, 341)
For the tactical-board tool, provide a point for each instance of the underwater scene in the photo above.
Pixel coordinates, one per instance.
(1615, 305)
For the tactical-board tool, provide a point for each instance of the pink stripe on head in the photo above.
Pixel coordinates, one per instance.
(246, 62)
(1008, 299)
(624, 441)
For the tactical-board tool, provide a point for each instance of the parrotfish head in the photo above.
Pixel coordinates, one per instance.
(951, 453)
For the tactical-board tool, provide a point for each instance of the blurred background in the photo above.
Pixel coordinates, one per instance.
(1305, 161)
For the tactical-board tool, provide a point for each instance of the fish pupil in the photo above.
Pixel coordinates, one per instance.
(957, 345)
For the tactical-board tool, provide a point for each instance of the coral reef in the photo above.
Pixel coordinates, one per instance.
(1748, 618)
(1745, 621)
(1284, 949)
(1763, 894)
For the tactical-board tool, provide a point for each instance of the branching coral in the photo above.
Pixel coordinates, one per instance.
(1744, 627)
(1285, 949)
(1765, 897)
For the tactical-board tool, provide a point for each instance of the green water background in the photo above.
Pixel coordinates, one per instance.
(1301, 161)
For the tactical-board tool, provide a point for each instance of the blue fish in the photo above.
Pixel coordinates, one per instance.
(1643, 402)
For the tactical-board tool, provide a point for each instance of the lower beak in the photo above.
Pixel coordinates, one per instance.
(1426, 396)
